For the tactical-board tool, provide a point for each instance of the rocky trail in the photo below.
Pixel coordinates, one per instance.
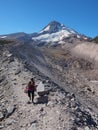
(56, 110)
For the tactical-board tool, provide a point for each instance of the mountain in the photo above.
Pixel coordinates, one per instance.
(53, 33)
(20, 36)
(57, 32)
(69, 75)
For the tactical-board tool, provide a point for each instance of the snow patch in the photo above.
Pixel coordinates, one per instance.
(3, 36)
(78, 36)
(54, 37)
(72, 31)
(46, 29)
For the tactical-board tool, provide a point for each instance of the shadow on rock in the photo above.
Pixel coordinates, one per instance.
(42, 99)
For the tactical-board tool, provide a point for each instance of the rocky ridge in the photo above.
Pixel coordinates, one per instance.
(57, 110)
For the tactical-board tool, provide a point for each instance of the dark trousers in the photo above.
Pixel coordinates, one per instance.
(31, 95)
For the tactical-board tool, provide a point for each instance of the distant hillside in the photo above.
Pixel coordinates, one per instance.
(95, 39)
(4, 41)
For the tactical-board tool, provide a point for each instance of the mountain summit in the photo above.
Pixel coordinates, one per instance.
(52, 27)
(56, 32)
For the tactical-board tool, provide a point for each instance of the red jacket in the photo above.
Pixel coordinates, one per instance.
(31, 87)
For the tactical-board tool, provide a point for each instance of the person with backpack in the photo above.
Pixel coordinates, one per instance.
(30, 88)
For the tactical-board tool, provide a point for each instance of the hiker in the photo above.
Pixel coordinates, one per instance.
(31, 87)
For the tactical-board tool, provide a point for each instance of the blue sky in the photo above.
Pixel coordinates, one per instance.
(32, 15)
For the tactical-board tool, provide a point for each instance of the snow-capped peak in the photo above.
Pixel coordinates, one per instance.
(52, 27)
(54, 32)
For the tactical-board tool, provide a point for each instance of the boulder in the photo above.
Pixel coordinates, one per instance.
(10, 110)
(1, 126)
(86, 128)
(32, 127)
(17, 71)
(42, 89)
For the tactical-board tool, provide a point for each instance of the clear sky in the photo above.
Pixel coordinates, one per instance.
(32, 15)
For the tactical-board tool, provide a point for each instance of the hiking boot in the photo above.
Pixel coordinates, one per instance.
(28, 102)
(33, 102)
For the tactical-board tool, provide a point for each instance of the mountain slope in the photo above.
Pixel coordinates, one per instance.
(72, 101)
(56, 32)
(20, 36)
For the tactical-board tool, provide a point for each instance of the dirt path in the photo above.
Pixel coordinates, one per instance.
(30, 116)
(18, 78)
